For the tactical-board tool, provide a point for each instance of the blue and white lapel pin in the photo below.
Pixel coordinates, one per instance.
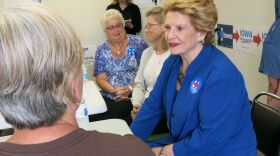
(195, 85)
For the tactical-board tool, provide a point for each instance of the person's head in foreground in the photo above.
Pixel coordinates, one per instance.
(41, 88)
(41, 67)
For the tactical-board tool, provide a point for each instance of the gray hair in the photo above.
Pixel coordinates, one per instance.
(109, 15)
(157, 14)
(40, 57)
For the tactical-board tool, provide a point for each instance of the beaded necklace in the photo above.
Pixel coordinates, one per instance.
(118, 48)
(181, 76)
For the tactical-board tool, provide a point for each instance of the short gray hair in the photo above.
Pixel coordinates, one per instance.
(157, 14)
(40, 57)
(109, 15)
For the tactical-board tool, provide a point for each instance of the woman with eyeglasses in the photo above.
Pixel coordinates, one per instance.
(131, 14)
(199, 90)
(116, 64)
(151, 62)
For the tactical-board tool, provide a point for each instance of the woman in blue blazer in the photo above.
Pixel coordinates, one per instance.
(200, 91)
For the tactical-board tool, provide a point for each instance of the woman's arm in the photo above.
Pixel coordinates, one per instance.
(117, 92)
(101, 80)
(152, 110)
(100, 71)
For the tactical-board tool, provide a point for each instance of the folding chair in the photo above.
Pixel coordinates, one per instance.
(266, 121)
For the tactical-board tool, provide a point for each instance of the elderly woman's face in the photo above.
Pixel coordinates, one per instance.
(114, 30)
(154, 30)
(181, 34)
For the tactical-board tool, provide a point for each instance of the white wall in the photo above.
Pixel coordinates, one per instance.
(85, 15)
(1, 4)
(251, 13)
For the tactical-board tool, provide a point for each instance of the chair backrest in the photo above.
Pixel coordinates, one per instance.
(266, 122)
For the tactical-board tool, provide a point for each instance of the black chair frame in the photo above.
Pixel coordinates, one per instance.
(266, 121)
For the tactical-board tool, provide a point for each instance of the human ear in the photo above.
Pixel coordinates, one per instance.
(201, 36)
(77, 90)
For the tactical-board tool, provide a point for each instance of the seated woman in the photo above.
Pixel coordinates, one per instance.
(41, 88)
(116, 65)
(151, 61)
(199, 90)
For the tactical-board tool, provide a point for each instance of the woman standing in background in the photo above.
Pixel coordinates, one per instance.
(270, 61)
(131, 14)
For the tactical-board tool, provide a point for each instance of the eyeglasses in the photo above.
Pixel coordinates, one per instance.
(148, 26)
(112, 27)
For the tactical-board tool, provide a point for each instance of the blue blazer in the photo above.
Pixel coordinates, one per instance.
(209, 115)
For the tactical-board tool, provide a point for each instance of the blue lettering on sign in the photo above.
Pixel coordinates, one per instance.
(246, 33)
(246, 36)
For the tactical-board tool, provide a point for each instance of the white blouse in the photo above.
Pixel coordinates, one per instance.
(152, 70)
(149, 69)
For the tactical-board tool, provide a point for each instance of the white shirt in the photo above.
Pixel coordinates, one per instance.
(147, 74)
(152, 70)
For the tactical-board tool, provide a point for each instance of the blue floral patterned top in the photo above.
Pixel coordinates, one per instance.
(120, 71)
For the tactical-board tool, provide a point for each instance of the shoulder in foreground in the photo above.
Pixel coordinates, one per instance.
(128, 144)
